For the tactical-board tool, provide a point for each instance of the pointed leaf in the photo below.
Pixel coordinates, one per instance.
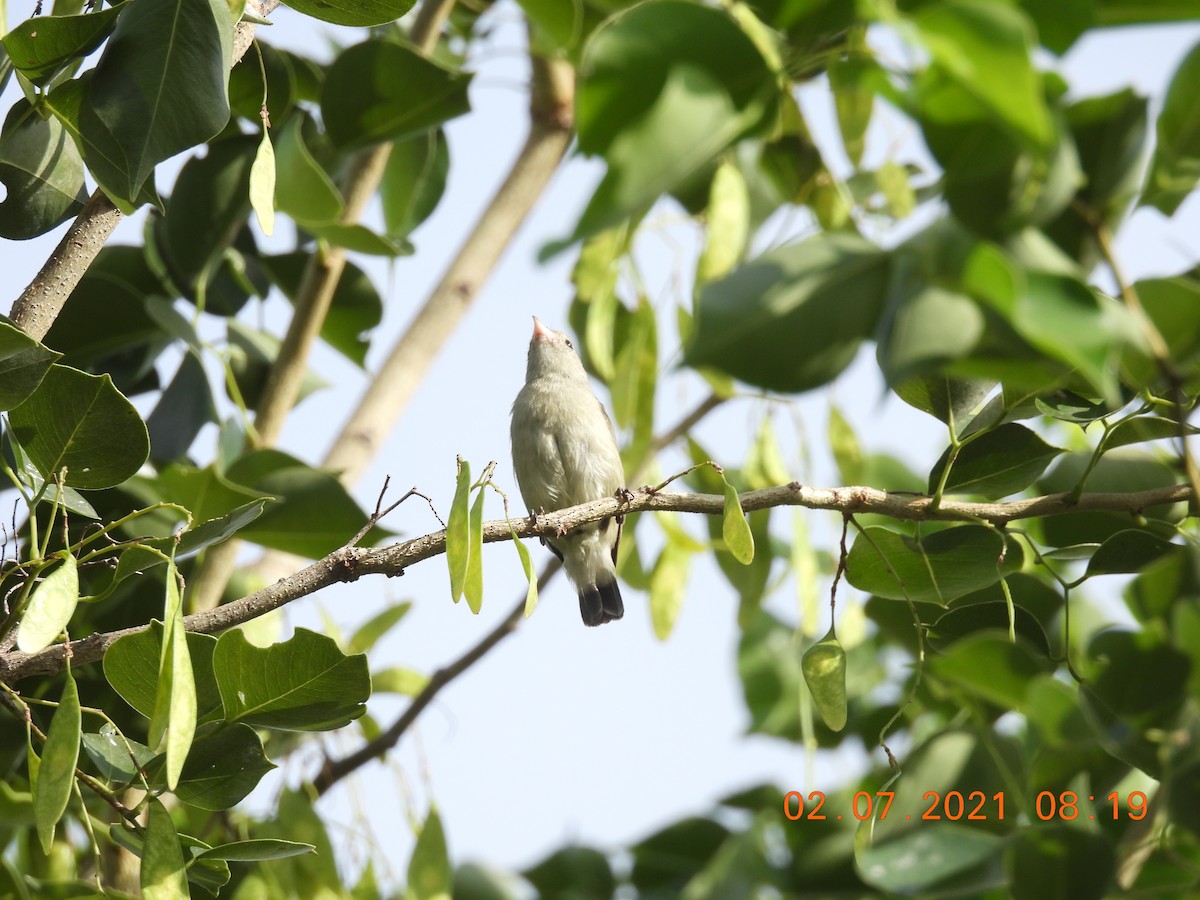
(368, 634)
(356, 13)
(40, 47)
(996, 464)
(56, 773)
(473, 587)
(175, 697)
(262, 185)
(458, 532)
(131, 668)
(42, 172)
(163, 873)
(668, 587)
(430, 876)
(257, 850)
(1176, 166)
(23, 364)
(735, 529)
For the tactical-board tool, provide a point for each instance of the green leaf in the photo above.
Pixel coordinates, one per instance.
(208, 206)
(210, 875)
(458, 532)
(42, 46)
(50, 607)
(303, 189)
(573, 872)
(42, 172)
(1129, 551)
(728, 220)
(112, 756)
(531, 595)
(1057, 712)
(921, 857)
(356, 308)
(131, 666)
(163, 873)
(1060, 862)
(56, 773)
(634, 384)
(413, 181)
(358, 238)
(368, 634)
(556, 25)
(262, 185)
(824, 668)
(225, 764)
(1176, 165)
(175, 702)
(23, 364)
(473, 586)
(972, 41)
(430, 876)
(969, 617)
(82, 423)
(257, 850)
(996, 464)
(159, 88)
(735, 529)
(399, 680)
(794, 318)
(989, 665)
(315, 514)
(379, 90)
(668, 587)
(303, 684)
(938, 567)
(664, 88)
(853, 102)
(357, 13)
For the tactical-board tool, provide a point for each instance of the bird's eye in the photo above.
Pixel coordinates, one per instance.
(569, 344)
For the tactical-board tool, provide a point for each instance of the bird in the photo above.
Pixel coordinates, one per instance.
(565, 453)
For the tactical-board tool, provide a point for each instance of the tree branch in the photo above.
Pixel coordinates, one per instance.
(351, 563)
(41, 302)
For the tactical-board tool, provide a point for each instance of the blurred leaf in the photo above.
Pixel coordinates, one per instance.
(50, 606)
(967, 619)
(1176, 164)
(996, 464)
(302, 684)
(792, 319)
(430, 875)
(668, 859)
(988, 665)
(938, 567)
(668, 584)
(458, 532)
(82, 423)
(577, 872)
(398, 680)
(728, 221)
(824, 668)
(663, 90)
(379, 90)
(356, 13)
(185, 406)
(369, 632)
(556, 25)
(843, 443)
(56, 773)
(771, 677)
(257, 850)
(1056, 711)
(634, 384)
(943, 849)
(853, 103)
(973, 41)
(1129, 551)
(1060, 862)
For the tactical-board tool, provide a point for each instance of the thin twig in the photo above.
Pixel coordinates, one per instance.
(335, 770)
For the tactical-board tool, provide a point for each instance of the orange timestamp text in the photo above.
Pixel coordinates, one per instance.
(973, 806)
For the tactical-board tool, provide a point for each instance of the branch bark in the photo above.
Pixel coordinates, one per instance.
(41, 302)
(351, 563)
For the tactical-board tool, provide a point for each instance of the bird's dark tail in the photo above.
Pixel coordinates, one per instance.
(600, 603)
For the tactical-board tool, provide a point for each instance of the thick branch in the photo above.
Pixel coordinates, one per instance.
(351, 563)
(41, 302)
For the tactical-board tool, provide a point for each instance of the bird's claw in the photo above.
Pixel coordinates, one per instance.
(624, 494)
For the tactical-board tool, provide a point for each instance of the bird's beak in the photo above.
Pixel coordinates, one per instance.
(540, 330)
